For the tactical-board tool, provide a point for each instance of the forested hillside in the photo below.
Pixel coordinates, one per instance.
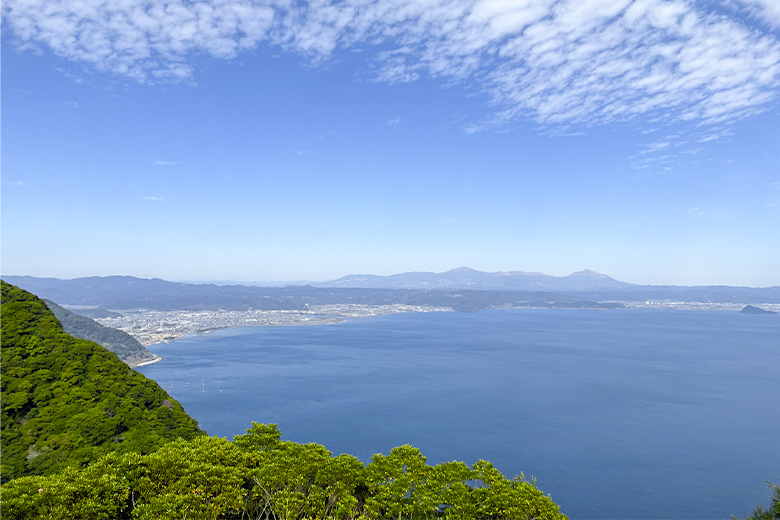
(125, 346)
(68, 401)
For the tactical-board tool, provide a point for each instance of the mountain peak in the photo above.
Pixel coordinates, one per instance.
(589, 273)
(463, 269)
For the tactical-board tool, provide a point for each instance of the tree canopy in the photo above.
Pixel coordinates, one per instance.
(260, 476)
(68, 401)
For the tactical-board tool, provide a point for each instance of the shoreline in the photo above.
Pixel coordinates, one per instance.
(170, 337)
(162, 327)
(156, 359)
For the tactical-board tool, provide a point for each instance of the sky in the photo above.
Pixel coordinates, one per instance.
(278, 140)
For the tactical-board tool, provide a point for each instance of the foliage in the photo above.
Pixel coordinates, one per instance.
(68, 401)
(259, 476)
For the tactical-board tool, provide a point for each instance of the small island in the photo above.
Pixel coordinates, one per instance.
(749, 309)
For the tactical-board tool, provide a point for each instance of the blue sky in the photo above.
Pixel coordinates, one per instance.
(274, 140)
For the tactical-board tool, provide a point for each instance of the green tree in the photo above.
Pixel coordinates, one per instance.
(72, 494)
(398, 485)
(67, 402)
(263, 477)
(259, 437)
(201, 478)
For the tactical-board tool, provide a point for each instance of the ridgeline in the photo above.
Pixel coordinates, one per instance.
(68, 401)
(125, 346)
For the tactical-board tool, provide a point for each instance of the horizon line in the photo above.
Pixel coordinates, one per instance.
(292, 283)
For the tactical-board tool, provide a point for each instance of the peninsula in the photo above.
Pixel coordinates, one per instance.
(154, 310)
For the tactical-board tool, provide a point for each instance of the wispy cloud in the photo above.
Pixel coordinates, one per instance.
(552, 61)
(68, 74)
(766, 10)
(166, 163)
(670, 152)
(714, 134)
(654, 147)
(394, 121)
(154, 198)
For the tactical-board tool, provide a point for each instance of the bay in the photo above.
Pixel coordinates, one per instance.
(629, 414)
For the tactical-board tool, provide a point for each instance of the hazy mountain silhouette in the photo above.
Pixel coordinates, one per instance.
(467, 278)
(461, 288)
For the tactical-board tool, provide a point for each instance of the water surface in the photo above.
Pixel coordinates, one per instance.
(632, 414)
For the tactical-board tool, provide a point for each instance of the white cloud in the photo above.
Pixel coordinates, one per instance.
(165, 163)
(767, 10)
(394, 121)
(154, 198)
(654, 147)
(553, 61)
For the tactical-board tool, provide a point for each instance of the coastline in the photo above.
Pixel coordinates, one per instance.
(156, 359)
(158, 327)
(169, 337)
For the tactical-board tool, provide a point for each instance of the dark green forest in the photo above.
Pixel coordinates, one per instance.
(68, 401)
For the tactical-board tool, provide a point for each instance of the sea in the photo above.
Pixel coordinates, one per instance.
(635, 414)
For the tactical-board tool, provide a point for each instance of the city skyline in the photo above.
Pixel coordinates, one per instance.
(260, 141)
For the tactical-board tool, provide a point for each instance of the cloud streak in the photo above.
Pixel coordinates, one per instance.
(551, 61)
(766, 10)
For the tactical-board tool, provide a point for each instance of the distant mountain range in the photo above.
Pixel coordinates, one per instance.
(467, 278)
(582, 285)
(461, 289)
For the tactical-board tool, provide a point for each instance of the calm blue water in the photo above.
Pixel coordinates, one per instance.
(632, 414)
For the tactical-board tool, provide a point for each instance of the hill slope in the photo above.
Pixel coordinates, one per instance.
(67, 401)
(125, 346)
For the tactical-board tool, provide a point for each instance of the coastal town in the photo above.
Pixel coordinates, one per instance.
(151, 326)
(154, 326)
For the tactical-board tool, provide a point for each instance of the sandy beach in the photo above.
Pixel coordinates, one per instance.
(144, 363)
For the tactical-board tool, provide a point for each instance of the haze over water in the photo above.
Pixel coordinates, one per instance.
(640, 414)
